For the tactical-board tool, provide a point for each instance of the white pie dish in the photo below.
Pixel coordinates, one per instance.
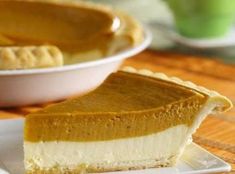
(34, 86)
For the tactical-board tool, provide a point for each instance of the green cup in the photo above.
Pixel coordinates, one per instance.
(203, 18)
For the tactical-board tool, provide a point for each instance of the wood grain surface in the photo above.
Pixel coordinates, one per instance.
(217, 132)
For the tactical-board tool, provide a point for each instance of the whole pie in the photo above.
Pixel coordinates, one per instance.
(38, 34)
(136, 119)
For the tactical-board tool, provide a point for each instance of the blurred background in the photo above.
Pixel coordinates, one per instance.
(196, 27)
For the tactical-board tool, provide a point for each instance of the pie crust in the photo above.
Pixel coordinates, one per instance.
(28, 57)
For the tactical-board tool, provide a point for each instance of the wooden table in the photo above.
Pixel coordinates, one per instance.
(217, 132)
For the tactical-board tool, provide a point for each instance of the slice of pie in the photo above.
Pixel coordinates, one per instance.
(134, 120)
(81, 31)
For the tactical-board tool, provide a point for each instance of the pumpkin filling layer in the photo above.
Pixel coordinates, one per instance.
(70, 27)
(125, 105)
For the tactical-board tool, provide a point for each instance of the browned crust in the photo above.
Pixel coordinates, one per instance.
(82, 169)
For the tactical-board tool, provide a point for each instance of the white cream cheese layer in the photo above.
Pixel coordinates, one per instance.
(156, 146)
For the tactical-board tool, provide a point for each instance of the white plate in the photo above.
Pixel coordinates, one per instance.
(195, 159)
(205, 43)
(26, 87)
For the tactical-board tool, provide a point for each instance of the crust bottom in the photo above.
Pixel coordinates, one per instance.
(106, 167)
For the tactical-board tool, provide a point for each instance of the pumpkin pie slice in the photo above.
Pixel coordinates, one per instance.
(81, 31)
(134, 120)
